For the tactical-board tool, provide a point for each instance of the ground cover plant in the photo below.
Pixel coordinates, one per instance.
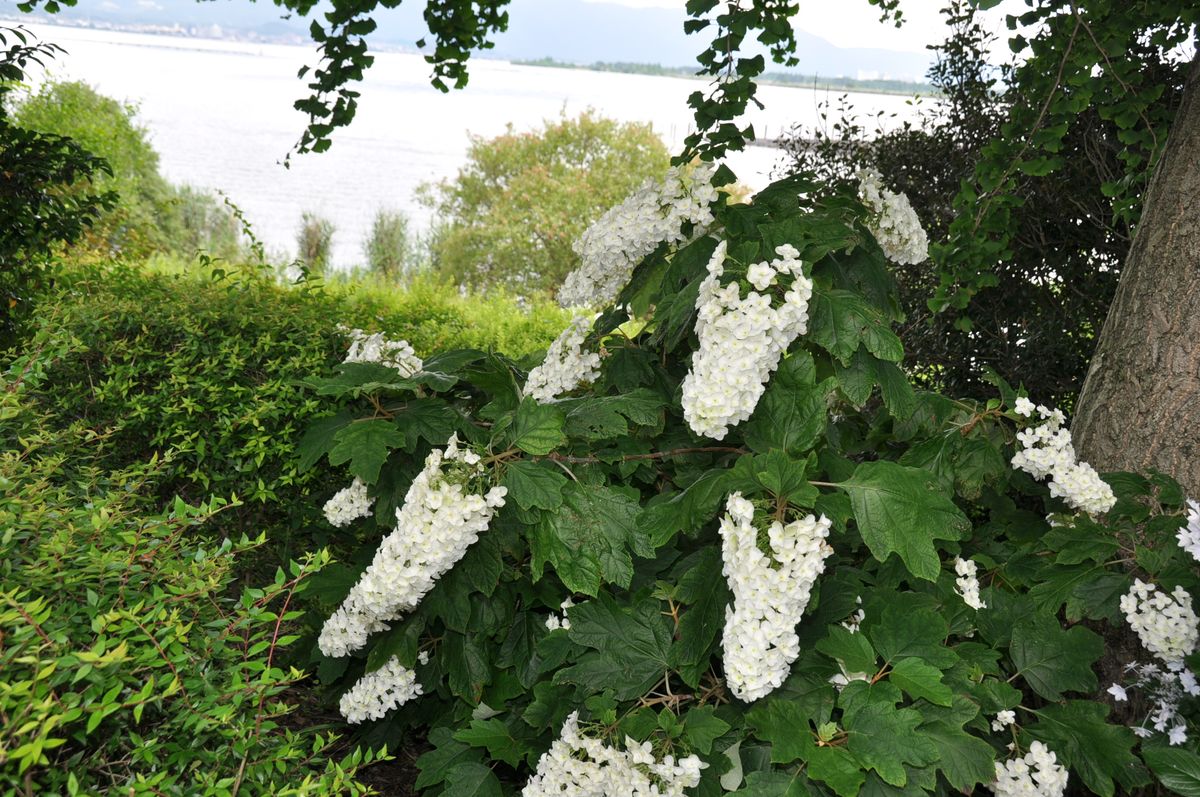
(131, 663)
(717, 543)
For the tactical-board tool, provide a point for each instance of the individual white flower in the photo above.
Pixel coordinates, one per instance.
(581, 766)
(1187, 681)
(893, 221)
(1004, 719)
(852, 622)
(555, 622)
(566, 366)
(967, 583)
(423, 657)
(439, 520)
(348, 504)
(770, 594)
(1023, 407)
(1118, 693)
(1165, 623)
(1178, 735)
(1037, 774)
(742, 340)
(397, 354)
(1189, 535)
(655, 213)
(1047, 451)
(378, 692)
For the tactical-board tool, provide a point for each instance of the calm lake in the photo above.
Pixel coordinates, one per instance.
(220, 114)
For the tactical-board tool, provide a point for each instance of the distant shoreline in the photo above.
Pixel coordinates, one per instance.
(816, 82)
(784, 79)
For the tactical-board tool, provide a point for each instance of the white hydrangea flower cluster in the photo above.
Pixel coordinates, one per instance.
(1165, 623)
(1047, 451)
(893, 221)
(653, 214)
(437, 523)
(770, 594)
(378, 692)
(1189, 535)
(348, 504)
(555, 622)
(377, 348)
(1004, 719)
(1163, 689)
(583, 767)
(1036, 774)
(967, 583)
(742, 339)
(566, 366)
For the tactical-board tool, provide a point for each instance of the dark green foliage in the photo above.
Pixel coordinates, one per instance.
(1047, 296)
(50, 189)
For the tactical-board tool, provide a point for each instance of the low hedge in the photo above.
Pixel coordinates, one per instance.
(202, 370)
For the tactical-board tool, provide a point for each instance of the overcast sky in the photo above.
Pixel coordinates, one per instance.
(855, 23)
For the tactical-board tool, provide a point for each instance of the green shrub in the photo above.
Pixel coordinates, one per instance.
(652, 557)
(50, 190)
(109, 129)
(314, 242)
(205, 373)
(126, 664)
(390, 247)
(433, 315)
(511, 215)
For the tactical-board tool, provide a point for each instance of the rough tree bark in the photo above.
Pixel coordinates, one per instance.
(1140, 405)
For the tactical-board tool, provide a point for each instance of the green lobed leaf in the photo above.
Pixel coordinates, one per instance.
(472, 780)
(791, 414)
(589, 539)
(631, 646)
(1176, 769)
(903, 510)
(365, 445)
(883, 738)
(447, 753)
(1098, 752)
(495, 736)
(840, 321)
(538, 428)
(534, 484)
(921, 680)
(1053, 660)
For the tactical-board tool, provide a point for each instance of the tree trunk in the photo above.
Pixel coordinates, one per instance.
(1140, 405)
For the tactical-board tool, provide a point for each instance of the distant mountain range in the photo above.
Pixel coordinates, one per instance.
(573, 31)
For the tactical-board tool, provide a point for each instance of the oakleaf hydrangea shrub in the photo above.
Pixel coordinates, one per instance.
(830, 584)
